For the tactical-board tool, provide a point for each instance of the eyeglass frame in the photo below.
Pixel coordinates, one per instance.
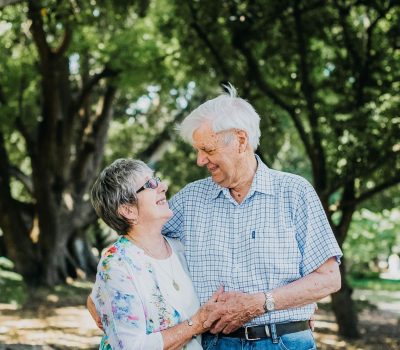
(148, 185)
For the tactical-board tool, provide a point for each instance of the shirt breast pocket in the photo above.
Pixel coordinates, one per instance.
(280, 254)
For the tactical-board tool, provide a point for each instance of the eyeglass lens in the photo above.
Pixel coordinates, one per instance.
(153, 182)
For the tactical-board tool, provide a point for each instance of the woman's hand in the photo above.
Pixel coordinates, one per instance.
(92, 310)
(205, 310)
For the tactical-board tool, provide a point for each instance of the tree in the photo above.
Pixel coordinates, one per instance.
(62, 64)
(331, 69)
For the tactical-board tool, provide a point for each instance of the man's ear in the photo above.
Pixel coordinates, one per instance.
(243, 140)
(128, 211)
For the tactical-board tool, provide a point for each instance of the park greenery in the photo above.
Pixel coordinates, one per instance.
(85, 82)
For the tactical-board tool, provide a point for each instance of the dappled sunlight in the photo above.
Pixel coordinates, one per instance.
(71, 327)
(65, 327)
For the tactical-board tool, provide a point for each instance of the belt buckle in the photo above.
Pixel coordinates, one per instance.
(267, 332)
(246, 334)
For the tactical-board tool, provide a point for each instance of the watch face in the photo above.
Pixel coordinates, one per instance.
(270, 305)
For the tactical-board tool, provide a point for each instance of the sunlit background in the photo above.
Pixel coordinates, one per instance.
(85, 82)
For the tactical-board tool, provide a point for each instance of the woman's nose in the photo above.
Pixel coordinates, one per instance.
(162, 187)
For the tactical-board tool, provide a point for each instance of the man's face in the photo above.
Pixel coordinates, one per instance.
(221, 159)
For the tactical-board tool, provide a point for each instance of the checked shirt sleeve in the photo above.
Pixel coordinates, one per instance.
(316, 240)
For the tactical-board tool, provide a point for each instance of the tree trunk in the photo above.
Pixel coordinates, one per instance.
(19, 247)
(3, 250)
(343, 308)
(342, 303)
(66, 152)
(82, 255)
(16, 222)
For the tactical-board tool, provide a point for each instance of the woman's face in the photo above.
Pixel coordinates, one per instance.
(152, 203)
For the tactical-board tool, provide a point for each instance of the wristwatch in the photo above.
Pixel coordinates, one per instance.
(269, 304)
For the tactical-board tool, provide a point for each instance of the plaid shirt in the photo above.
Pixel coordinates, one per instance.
(278, 234)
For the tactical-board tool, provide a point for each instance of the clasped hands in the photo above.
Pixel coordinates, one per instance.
(225, 312)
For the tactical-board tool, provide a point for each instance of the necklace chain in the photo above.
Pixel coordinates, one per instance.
(167, 247)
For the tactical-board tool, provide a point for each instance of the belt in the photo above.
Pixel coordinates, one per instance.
(264, 331)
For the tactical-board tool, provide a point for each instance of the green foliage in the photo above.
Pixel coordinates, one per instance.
(372, 238)
(375, 284)
(13, 289)
(171, 56)
(6, 264)
(178, 167)
(331, 66)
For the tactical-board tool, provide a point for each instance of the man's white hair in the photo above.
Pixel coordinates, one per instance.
(225, 112)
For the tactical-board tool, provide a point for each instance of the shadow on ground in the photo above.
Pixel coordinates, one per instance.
(58, 320)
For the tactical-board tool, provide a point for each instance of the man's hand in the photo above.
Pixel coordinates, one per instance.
(92, 309)
(232, 310)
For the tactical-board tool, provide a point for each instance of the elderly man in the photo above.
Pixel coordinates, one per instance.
(260, 233)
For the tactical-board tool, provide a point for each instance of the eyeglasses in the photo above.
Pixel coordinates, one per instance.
(151, 183)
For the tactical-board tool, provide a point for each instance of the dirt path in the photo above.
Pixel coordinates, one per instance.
(51, 326)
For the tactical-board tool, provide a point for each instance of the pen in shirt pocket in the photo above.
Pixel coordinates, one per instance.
(253, 234)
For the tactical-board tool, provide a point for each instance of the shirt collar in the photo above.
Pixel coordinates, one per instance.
(262, 182)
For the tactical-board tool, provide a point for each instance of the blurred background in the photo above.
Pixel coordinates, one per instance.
(83, 82)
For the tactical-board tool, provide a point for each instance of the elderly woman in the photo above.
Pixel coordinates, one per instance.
(143, 293)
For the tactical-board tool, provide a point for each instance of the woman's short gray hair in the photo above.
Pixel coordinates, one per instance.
(116, 186)
(225, 112)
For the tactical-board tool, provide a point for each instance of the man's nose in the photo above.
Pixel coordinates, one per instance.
(201, 158)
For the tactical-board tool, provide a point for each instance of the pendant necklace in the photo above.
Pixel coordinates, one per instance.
(149, 253)
(174, 283)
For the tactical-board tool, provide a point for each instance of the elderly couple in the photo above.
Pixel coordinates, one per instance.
(233, 261)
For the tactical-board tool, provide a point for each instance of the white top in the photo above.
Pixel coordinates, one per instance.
(135, 297)
(170, 270)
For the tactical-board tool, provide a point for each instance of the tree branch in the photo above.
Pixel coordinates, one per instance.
(165, 135)
(343, 13)
(3, 99)
(15, 220)
(23, 178)
(203, 36)
(38, 33)
(361, 172)
(66, 41)
(19, 124)
(92, 147)
(88, 88)
(379, 188)
(4, 169)
(364, 73)
(318, 155)
(4, 3)
(313, 6)
(256, 76)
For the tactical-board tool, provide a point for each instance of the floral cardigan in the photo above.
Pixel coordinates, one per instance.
(129, 300)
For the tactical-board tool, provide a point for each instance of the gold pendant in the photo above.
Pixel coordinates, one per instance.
(176, 286)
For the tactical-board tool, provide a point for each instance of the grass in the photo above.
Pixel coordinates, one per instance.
(376, 284)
